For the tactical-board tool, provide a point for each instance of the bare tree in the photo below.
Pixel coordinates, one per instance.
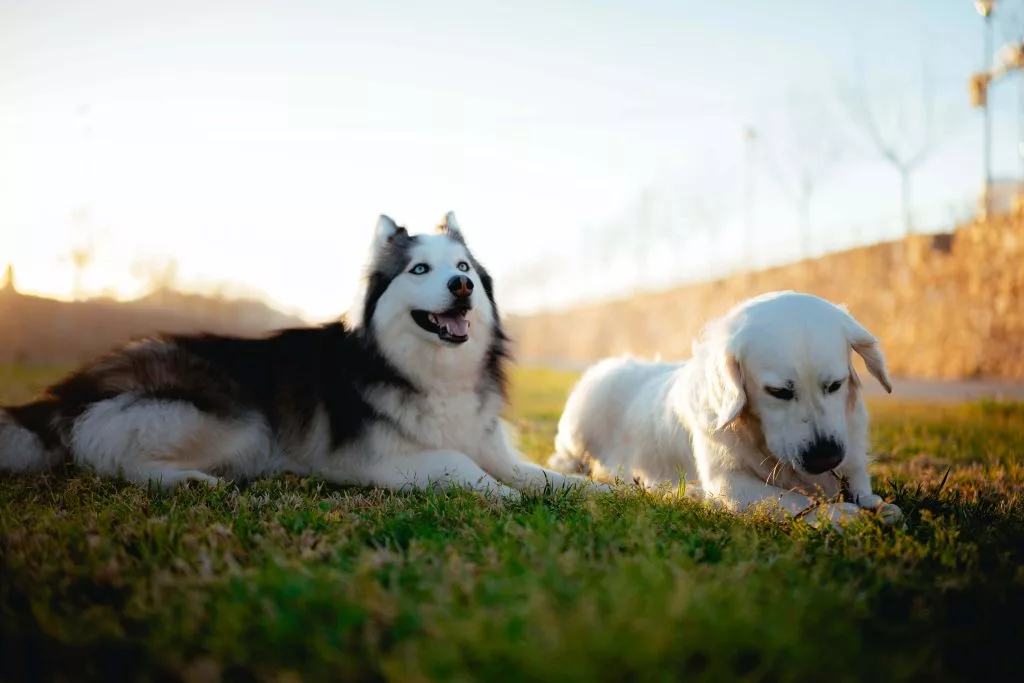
(8, 282)
(82, 253)
(904, 133)
(645, 236)
(638, 249)
(803, 151)
(82, 256)
(667, 223)
(160, 274)
(597, 253)
(702, 211)
(628, 241)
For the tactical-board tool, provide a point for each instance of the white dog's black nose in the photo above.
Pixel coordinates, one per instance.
(824, 454)
(460, 285)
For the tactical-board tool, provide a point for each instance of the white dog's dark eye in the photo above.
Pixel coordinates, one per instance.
(463, 266)
(834, 387)
(781, 393)
(420, 269)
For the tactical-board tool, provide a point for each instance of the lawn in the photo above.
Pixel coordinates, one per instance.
(291, 579)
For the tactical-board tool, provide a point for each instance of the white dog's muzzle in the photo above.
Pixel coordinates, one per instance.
(821, 455)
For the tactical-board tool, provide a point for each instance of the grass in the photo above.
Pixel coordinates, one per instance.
(291, 579)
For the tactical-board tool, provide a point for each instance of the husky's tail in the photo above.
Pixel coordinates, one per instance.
(29, 439)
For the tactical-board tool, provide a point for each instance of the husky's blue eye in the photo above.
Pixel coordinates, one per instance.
(420, 269)
(463, 266)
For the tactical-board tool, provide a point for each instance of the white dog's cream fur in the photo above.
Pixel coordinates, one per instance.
(762, 413)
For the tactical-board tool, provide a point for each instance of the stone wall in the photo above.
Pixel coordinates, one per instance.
(945, 307)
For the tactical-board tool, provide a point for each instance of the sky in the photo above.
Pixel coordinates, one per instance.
(255, 143)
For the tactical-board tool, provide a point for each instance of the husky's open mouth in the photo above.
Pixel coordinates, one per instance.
(450, 326)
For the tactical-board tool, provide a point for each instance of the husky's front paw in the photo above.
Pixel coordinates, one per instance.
(507, 494)
(498, 498)
(595, 486)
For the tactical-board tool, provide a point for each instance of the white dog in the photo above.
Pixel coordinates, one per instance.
(767, 410)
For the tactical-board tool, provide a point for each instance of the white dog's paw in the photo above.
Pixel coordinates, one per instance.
(869, 501)
(889, 513)
(833, 514)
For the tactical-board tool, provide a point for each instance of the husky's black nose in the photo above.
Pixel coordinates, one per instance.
(460, 285)
(824, 454)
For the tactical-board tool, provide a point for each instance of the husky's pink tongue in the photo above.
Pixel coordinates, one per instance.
(457, 325)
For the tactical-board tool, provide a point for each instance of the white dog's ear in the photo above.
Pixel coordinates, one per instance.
(867, 347)
(387, 234)
(449, 226)
(726, 393)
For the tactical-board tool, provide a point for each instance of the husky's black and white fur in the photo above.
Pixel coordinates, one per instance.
(405, 392)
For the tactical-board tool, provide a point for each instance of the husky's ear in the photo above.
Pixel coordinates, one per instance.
(449, 226)
(866, 345)
(387, 234)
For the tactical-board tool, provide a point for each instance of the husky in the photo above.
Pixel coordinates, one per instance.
(403, 392)
(768, 410)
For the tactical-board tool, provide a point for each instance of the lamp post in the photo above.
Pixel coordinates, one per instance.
(985, 8)
(1020, 128)
(1012, 57)
(1020, 125)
